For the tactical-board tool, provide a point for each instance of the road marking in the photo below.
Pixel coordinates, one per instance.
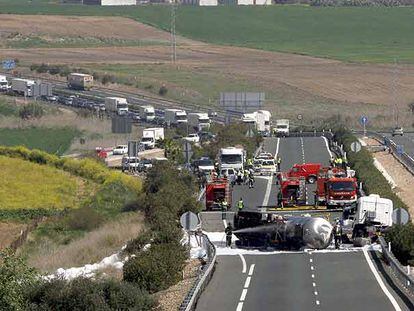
(327, 146)
(313, 276)
(225, 223)
(247, 283)
(240, 306)
(244, 269)
(251, 269)
(310, 260)
(243, 294)
(277, 146)
(380, 282)
(312, 268)
(317, 302)
(314, 284)
(303, 150)
(268, 190)
(316, 293)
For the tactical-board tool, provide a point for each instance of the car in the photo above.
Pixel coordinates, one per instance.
(193, 138)
(130, 163)
(268, 167)
(397, 131)
(257, 165)
(204, 164)
(228, 173)
(206, 136)
(120, 150)
(264, 156)
(144, 165)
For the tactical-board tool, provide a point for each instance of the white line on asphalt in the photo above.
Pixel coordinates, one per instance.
(313, 276)
(267, 193)
(310, 260)
(327, 146)
(303, 150)
(380, 282)
(314, 284)
(251, 269)
(243, 294)
(317, 302)
(243, 263)
(316, 293)
(247, 283)
(312, 268)
(225, 223)
(240, 306)
(277, 146)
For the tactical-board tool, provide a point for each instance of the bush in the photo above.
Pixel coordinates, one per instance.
(163, 90)
(402, 242)
(87, 294)
(157, 268)
(84, 218)
(31, 110)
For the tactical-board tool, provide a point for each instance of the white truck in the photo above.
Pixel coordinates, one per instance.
(175, 117)
(264, 116)
(371, 215)
(23, 86)
(4, 84)
(259, 119)
(232, 157)
(118, 105)
(150, 136)
(199, 121)
(147, 113)
(281, 128)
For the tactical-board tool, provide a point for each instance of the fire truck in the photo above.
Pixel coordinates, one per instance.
(309, 171)
(336, 187)
(217, 190)
(292, 190)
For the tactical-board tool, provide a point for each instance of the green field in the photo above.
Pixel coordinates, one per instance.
(348, 33)
(33, 186)
(53, 140)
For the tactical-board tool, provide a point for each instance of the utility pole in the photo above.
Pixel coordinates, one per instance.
(173, 38)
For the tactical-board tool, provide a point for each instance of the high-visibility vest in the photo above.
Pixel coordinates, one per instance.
(240, 205)
(224, 204)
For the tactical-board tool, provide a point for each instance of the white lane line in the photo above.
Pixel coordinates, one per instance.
(277, 146)
(316, 293)
(312, 268)
(266, 197)
(225, 223)
(243, 294)
(327, 146)
(380, 282)
(247, 283)
(303, 150)
(244, 269)
(313, 276)
(251, 269)
(310, 260)
(240, 306)
(314, 284)
(317, 302)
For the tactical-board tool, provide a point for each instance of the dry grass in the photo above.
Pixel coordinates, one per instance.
(9, 232)
(91, 248)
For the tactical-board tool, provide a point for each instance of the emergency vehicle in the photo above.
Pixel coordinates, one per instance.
(217, 190)
(309, 171)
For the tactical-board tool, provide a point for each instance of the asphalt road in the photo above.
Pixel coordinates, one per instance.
(325, 280)
(407, 141)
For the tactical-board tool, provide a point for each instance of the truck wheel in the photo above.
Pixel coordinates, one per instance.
(311, 179)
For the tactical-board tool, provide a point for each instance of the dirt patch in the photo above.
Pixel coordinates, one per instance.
(9, 232)
(403, 179)
(74, 26)
(172, 298)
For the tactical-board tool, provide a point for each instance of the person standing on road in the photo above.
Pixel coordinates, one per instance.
(278, 162)
(240, 204)
(251, 180)
(229, 234)
(337, 234)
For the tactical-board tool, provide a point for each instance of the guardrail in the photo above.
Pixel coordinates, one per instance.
(403, 158)
(204, 276)
(400, 272)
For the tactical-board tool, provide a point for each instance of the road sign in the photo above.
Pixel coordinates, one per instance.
(189, 221)
(241, 102)
(121, 125)
(356, 146)
(8, 64)
(132, 148)
(187, 151)
(400, 216)
(363, 120)
(299, 116)
(400, 149)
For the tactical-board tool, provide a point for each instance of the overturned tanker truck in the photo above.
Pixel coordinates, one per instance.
(255, 228)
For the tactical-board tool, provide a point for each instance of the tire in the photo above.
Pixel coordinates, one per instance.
(311, 179)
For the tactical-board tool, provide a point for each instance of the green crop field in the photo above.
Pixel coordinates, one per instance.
(53, 140)
(26, 185)
(348, 33)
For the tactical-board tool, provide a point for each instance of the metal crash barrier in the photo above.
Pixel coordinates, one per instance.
(400, 272)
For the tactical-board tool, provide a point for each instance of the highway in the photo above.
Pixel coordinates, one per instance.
(304, 280)
(407, 141)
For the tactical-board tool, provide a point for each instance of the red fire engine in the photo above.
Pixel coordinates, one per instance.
(309, 171)
(335, 188)
(292, 190)
(217, 190)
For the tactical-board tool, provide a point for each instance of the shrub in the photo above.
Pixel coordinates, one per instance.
(136, 245)
(31, 110)
(163, 90)
(402, 242)
(84, 218)
(157, 268)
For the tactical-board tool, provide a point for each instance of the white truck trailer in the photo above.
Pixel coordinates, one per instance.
(147, 113)
(23, 87)
(259, 119)
(199, 121)
(174, 117)
(281, 128)
(4, 84)
(80, 81)
(150, 136)
(118, 105)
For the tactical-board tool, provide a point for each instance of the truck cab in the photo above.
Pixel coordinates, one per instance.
(147, 113)
(232, 157)
(282, 128)
(4, 84)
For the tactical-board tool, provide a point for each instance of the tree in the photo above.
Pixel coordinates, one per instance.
(15, 278)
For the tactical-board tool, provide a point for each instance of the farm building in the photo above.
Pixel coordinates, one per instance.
(110, 2)
(200, 2)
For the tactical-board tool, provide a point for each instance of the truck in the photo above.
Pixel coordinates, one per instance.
(336, 188)
(259, 119)
(292, 191)
(23, 87)
(80, 81)
(4, 84)
(309, 171)
(217, 190)
(175, 117)
(264, 115)
(371, 215)
(199, 121)
(147, 113)
(232, 157)
(150, 136)
(281, 128)
(118, 105)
